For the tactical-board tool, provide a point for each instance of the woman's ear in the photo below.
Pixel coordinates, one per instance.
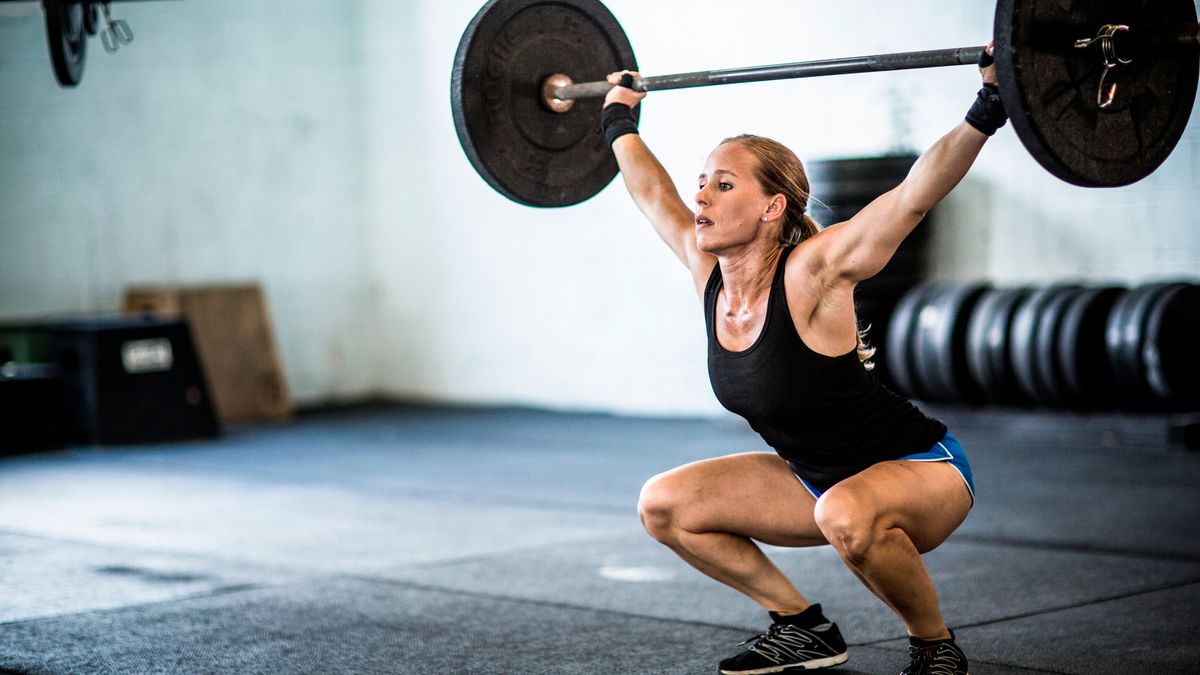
(775, 208)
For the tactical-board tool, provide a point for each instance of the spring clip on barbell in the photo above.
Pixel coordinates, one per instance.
(1108, 49)
(116, 33)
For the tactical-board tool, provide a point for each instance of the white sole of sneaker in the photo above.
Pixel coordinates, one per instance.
(815, 664)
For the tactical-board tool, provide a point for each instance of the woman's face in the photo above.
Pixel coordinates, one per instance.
(730, 203)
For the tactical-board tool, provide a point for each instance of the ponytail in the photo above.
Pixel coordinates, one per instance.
(790, 235)
(865, 351)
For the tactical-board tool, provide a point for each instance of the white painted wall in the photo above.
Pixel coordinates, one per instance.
(309, 145)
(225, 144)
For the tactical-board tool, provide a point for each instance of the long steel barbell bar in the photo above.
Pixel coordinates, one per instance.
(559, 91)
(935, 58)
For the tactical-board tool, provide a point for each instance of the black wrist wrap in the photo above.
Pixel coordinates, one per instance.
(616, 120)
(987, 113)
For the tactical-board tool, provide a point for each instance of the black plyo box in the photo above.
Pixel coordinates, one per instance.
(31, 408)
(132, 380)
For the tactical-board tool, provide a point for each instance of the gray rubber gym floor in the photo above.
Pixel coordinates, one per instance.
(447, 540)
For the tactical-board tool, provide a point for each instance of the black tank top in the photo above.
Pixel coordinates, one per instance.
(827, 415)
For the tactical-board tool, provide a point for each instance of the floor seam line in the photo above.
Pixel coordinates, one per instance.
(1075, 548)
(539, 602)
(215, 593)
(156, 551)
(1089, 603)
(1060, 608)
(292, 479)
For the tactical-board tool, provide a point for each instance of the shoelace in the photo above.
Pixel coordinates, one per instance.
(773, 632)
(773, 644)
(756, 638)
(924, 661)
(919, 659)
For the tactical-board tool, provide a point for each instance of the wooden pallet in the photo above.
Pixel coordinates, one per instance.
(235, 342)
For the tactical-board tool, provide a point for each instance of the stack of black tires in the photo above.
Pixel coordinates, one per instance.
(1063, 346)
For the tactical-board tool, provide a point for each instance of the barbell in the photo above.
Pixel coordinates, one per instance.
(1099, 92)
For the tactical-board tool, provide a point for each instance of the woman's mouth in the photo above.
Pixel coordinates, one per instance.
(701, 221)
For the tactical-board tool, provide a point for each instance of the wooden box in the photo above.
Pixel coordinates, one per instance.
(235, 342)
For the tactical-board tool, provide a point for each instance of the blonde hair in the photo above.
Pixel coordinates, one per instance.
(780, 171)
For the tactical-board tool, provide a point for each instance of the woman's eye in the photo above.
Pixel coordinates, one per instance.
(726, 186)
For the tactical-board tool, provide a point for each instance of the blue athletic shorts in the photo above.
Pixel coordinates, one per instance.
(946, 450)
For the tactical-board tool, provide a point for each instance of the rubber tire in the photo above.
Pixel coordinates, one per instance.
(940, 343)
(898, 358)
(1125, 336)
(1023, 343)
(1087, 373)
(996, 354)
(1171, 366)
(1049, 367)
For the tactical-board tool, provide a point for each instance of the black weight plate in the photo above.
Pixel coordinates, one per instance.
(1112, 339)
(925, 359)
(1000, 346)
(978, 362)
(940, 343)
(522, 149)
(1134, 339)
(67, 40)
(1049, 367)
(1050, 88)
(1125, 336)
(963, 308)
(899, 355)
(1169, 352)
(1086, 371)
(1023, 343)
(992, 364)
(91, 17)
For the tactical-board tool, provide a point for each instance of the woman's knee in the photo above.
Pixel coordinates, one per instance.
(659, 506)
(849, 522)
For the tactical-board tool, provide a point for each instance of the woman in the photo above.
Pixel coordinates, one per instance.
(855, 466)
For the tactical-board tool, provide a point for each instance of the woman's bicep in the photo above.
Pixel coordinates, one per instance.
(860, 247)
(871, 237)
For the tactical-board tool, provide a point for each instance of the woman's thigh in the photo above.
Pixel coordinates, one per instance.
(755, 495)
(927, 500)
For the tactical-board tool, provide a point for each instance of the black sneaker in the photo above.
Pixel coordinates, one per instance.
(935, 657)
(787, 647)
